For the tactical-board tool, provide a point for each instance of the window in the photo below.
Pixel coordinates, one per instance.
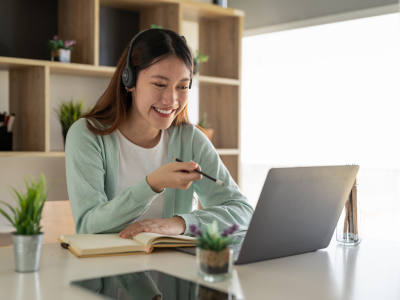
(327, 95)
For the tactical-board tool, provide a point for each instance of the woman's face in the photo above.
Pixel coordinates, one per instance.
(161, 92)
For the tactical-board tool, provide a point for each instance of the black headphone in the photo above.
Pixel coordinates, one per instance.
(129, 72)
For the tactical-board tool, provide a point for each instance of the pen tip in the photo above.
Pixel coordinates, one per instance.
(220, 182)
(173, 158)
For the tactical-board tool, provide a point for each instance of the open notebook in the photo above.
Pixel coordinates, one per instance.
(93, 245)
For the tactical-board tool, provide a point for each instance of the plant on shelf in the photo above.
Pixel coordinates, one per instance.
(60, 51)
(198, 58)
(26, 218)
(214, 258)
(68, 112)
(203, 123)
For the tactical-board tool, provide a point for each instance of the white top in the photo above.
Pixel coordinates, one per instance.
(135, 163)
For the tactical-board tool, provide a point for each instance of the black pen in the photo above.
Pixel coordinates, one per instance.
(204, 174)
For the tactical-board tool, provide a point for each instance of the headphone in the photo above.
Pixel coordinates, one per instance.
(129, 73)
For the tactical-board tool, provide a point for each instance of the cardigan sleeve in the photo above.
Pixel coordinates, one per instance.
(226, 204)
(85, 170)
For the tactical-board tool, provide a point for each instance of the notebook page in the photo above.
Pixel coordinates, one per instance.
(146, 238)
(87, 244)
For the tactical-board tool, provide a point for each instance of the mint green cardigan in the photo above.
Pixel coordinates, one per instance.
(92, 166)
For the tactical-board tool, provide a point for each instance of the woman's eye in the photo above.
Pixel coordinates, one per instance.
(184, 87)
(159, 85)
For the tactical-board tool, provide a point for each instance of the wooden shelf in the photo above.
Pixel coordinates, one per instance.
(228, 151)
(192, 10)
(31, 154)
(11, 63)
(218, 33)
(217, 80)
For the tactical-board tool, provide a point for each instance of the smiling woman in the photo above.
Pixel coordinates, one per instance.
(121, 176)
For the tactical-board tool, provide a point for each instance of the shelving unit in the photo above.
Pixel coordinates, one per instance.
(220, 34)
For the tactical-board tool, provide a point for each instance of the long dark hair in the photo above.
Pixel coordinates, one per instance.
(151, 46)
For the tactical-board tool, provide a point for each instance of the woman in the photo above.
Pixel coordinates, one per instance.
(121, 175)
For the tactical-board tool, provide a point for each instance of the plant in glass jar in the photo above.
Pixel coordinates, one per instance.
(60, 51)
(68, 112)
(27, 240)
(198, 58)
(214, 258)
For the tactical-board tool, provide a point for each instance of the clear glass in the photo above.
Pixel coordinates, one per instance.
(214, 265)
(349, 227)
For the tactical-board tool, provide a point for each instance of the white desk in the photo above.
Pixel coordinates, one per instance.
(369, 271)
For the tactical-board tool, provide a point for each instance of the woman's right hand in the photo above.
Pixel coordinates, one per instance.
(177, 175)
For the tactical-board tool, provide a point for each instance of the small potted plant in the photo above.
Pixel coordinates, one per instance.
(27, 240)
(68, 112)
(198, 58)
(206, 126)
(60, 51)
(214, 259)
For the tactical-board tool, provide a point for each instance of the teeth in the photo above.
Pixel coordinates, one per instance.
(166, 112)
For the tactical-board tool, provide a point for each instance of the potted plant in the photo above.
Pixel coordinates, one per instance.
(206, 126)
(214, 259)
(198, 58)
(68, 112)
(60, 51)
(27, 240)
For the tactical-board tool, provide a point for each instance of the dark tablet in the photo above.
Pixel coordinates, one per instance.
(149, 285)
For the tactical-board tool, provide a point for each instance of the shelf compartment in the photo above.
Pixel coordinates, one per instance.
(221, 103)
(78, 20)
(220, 39)
(28, 91)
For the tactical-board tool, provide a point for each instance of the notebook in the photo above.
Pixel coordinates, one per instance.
(93, 245)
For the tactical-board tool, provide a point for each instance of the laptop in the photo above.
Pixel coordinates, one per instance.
(297, 212)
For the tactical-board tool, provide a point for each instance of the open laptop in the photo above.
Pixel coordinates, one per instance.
(297, 212)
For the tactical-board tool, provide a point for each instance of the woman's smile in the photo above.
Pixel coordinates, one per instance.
(163, 113)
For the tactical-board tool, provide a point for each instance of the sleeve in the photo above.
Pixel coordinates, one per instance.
(225, 204)
(93, 212)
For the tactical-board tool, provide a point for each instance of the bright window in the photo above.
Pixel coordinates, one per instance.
(327, 95)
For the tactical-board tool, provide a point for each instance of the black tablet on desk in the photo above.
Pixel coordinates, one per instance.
(151, 285)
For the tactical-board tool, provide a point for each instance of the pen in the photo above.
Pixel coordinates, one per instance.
(204, 174)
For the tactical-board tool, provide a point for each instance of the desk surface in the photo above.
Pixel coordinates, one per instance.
(369, 271)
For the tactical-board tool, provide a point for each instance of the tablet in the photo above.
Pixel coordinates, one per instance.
(151, 285)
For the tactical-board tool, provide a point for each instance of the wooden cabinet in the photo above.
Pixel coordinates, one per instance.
(101, 29)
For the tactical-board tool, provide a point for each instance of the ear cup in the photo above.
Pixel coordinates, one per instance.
(129, 77)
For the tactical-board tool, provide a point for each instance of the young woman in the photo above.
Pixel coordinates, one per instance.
(121, 175)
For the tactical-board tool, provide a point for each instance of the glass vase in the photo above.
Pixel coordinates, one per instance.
(214, 265)
(349, 227)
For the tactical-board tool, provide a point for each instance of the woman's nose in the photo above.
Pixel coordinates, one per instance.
(169, 97)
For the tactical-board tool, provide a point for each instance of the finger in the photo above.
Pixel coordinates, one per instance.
(186, 166)
(191, 176)
(140, 229)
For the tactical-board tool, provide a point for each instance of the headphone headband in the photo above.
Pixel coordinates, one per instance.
(129, 73)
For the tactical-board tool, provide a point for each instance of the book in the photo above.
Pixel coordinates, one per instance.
(94, 245)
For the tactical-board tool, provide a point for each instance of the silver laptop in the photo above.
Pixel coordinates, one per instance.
(296, 213)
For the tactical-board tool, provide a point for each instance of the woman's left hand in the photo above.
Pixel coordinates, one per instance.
(172, 226)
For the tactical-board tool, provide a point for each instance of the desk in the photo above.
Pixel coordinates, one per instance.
(369, 271)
